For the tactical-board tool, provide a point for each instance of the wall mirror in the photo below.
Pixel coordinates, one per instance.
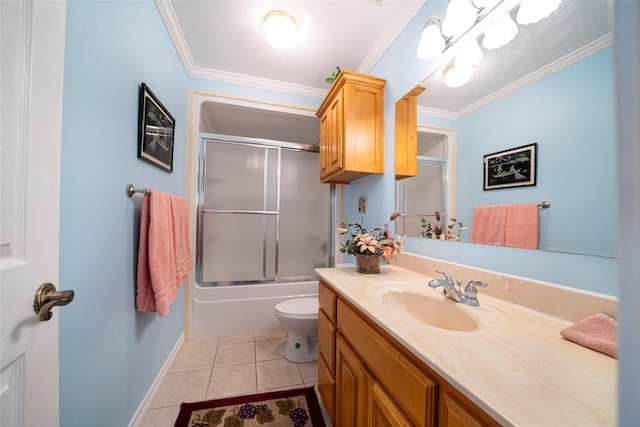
(551, 85)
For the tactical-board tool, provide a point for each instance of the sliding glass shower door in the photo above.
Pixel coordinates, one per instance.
(263, 216)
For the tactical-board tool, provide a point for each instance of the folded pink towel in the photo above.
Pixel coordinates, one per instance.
(164, 252)
(598, 332)
(488, 224)
(521, 226)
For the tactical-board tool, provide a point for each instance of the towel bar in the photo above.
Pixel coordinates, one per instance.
(544, 205)
(131, 190)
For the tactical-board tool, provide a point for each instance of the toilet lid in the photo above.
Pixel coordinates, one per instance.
(299, 306)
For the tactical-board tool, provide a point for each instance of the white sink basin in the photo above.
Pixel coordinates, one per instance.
(423, 309)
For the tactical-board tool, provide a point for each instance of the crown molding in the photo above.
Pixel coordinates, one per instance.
(257, 82)
(567, 60)
(171, 22)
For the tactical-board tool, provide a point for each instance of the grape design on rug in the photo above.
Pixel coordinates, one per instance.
(289, 413)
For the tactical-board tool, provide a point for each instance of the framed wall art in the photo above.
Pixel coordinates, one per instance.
(155, 131)
(511, 168)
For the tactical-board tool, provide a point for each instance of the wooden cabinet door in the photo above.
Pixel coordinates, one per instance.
(350, 387)
(336, 135)
(325, 138)
(454, 413)
(381, 410)
(407, 134)
(326, 386)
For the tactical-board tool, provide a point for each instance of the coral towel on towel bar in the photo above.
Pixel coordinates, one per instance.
(516, 226)
(164, 253)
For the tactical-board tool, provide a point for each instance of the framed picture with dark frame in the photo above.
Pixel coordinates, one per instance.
(155, 131)
(511, 168)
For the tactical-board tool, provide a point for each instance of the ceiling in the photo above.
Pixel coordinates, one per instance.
(221, 40)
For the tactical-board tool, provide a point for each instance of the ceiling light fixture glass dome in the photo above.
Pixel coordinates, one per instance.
(456, 76)
(500, 33)
(532, 11)
(280, 29)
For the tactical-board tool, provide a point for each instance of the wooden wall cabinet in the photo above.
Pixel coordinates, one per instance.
(407, 134)
(352, 128)
(366, 378)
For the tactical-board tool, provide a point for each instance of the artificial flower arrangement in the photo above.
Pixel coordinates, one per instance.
(377, 241)
(440, 231)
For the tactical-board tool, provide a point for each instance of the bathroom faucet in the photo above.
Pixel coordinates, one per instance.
(452, 290)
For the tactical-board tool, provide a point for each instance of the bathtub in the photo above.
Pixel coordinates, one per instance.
(231, 310)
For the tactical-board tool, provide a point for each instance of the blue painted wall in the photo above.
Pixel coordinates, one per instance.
(109, 353)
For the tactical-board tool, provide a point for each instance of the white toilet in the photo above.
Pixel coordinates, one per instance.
(299, 316)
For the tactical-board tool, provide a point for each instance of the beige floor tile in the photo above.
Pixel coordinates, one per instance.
(235, 354)
(202, 342)
(270, 349)
(270, 335)
(161, 417)
(181, 387)
(233, 380)
(236, 339)
(277, 373)
(309, 372)
(193, 358)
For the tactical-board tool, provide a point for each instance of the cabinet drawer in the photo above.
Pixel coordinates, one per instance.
(327, 300)
(327, 387)
(412, 390)
(326, 341)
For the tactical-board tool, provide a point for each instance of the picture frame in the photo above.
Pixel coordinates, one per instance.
(156, 131)
(516, 167)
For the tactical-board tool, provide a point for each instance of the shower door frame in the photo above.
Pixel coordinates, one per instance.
(201, 211)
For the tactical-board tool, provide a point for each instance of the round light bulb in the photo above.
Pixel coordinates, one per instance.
(280, 29)
(532, 11)
(469, 56)
(431, 42)
(460, 16)
(457, 76)
(500, 33)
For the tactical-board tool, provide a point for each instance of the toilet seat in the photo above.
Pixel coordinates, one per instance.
(299, 307)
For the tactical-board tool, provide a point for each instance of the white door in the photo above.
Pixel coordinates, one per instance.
(32, 43)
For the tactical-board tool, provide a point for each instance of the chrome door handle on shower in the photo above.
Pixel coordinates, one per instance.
(47, 297)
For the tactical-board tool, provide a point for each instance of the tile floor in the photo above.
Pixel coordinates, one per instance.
(211, 368)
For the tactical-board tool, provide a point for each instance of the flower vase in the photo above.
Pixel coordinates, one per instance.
(368, 264)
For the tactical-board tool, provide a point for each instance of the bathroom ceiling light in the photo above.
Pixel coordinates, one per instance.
(532, 11)
(280, 29)
(460, 16)
(469, 56)
(455, 76)
(500, 33)
(431, 41)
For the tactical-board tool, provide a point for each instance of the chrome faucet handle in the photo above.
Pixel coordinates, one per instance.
(470, 291)
(446, 276)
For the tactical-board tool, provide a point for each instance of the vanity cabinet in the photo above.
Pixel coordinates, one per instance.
(407, 134)
(367, 378)
(352, 128)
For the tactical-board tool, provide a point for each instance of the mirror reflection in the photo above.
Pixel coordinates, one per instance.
(554, 91)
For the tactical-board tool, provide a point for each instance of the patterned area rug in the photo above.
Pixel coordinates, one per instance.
(286, 408)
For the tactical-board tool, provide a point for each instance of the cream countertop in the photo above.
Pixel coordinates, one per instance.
(515, 366)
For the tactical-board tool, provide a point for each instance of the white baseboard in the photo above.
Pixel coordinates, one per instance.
(155, 387)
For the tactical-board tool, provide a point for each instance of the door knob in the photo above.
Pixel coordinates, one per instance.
(47, 297)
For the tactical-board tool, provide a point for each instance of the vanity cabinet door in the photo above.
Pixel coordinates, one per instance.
(454, 413)
(350, 388)
(381, 410)
(326, 387)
